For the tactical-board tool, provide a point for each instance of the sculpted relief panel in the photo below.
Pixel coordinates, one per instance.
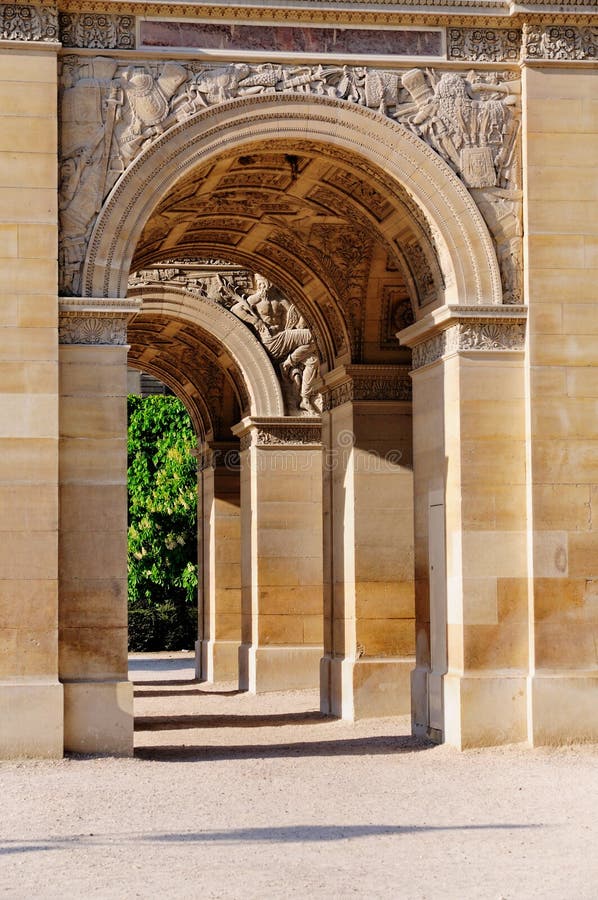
(276, 322)
(112, 110)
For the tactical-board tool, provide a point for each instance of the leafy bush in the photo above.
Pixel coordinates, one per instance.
(162, 557)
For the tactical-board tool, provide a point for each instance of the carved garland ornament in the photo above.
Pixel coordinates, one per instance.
(111, 112)
(28, 23)
(369, 387)
(471, 335)
(76, 328)
(555, 42)
(287, 433)
(484, 44)
(96, 31)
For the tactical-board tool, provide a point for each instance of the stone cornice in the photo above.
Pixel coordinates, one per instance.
(278, 433)
(98, 306)
(95, 321)
(489, 13)
(366, 383)
(453, 329)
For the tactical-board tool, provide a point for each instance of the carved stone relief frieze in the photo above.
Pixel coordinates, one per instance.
(111, 110)
(274, 319)
(97, 31)
(555, 42)
(370, 384)
(284, 433)
(483, 334)
(484, 44)
(19, 22)
(95, 322)
(397, 313)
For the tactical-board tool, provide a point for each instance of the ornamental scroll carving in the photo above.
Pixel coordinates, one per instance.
(280, 434)
(75, 328)
(370, 386)
(481, 335)
(28, 23)
(556, 42)
(484, 44)
(112, 110)
(97, 31)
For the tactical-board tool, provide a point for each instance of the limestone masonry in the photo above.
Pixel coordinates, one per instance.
(359, 240)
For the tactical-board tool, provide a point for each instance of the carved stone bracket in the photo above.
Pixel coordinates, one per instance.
(28, 23)
(354, 384)
(484, 44)
(556, 42)
(95, 321)
(287, 432)
(456, 329)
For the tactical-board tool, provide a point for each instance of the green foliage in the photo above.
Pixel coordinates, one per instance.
(162, 479)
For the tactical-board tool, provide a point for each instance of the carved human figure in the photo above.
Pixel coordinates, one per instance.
(284, 334)
(473, 135)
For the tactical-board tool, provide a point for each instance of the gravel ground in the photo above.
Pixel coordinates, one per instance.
(232, 796)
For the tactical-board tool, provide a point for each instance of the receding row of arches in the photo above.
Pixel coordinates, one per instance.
(311, 571)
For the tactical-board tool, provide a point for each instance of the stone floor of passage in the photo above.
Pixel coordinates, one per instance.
(238, 796)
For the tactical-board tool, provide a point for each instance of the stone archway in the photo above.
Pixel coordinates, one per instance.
(441, 207)
(467, 254)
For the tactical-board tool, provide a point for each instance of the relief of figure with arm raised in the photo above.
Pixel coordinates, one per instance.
(284, 334)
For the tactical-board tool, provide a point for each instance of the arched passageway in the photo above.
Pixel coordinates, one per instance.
(362, 232)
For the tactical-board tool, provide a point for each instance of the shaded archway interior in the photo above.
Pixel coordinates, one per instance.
(341, 239)
(195, 366)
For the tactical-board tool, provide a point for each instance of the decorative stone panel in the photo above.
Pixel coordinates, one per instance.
(291, 431)
(556, 42)
(484, 44)
(353, 384)
(455, 329)
(28, 23)
(97, 31)
(95, 321)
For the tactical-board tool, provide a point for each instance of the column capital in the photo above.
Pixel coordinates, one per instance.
(96, 320)
(366, 383)
(280, 432)
(475, 329)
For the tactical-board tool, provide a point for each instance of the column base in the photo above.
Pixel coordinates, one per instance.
(98, 717)
(484, 710)
(263, 669)
(366, 688)
(217, 661)
(564, 708)
(31, 713)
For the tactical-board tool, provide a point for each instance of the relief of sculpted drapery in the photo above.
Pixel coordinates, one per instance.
(112, 110)
(274, 319)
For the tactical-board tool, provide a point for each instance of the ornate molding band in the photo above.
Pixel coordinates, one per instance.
(95, 322)
(481, 335)
(28, 23)
(367, 384)
(97, 31)
(560, 42)
(484, 44)
(291, 431)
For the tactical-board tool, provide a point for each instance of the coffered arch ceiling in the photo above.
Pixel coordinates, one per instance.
(190, 362)
(339, 237)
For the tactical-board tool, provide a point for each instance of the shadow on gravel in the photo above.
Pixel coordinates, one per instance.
(286, 834)
(173, 723)
(372, 746)
(196, 693)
